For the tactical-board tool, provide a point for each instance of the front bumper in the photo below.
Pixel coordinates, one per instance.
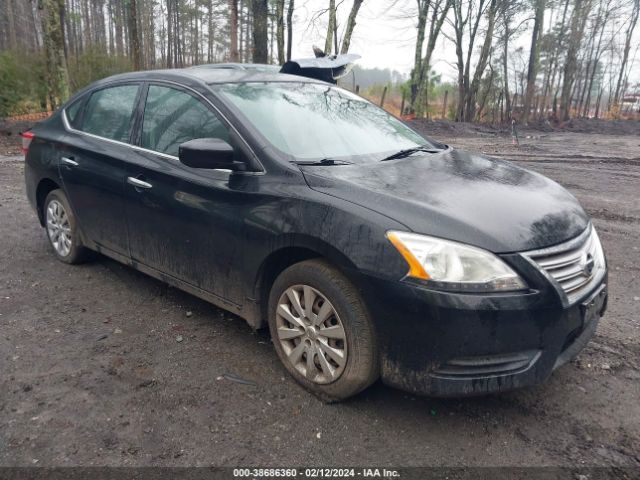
(450, 344)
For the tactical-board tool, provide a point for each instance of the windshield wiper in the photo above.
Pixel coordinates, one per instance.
(324, 162)
(409, 151)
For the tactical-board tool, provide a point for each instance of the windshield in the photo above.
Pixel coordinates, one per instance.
(311, 121)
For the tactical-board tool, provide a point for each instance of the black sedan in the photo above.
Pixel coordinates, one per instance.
(369, 250)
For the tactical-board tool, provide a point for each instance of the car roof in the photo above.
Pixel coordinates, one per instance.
(210, 76)
(261, 67)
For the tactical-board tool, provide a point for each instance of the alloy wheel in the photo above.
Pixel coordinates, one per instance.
(59, 228)
(311, 334)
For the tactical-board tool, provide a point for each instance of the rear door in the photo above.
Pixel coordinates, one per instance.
(93, 165)
(185, 222)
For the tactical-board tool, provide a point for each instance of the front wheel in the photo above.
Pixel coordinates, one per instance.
(62, 229)
(322, 330)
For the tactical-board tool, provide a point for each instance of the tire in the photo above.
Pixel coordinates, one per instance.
(62, 229)
(329, 376)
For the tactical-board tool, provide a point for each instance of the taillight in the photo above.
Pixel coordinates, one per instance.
(26, 141)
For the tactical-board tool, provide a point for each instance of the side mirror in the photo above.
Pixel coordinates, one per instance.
(208, 153)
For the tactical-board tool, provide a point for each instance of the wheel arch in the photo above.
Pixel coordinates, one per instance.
(45, 186)
(293, 251)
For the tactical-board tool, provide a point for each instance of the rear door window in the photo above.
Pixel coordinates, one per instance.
(172, 117)
(109, 112)
(73, 113)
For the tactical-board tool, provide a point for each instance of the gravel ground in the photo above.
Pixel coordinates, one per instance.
(102, 365)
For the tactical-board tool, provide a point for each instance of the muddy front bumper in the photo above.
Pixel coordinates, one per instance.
(447, 344)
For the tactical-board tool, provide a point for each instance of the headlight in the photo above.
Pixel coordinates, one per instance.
(597, 252)
(454, 266)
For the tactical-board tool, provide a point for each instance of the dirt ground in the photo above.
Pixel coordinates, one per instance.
(101, 365)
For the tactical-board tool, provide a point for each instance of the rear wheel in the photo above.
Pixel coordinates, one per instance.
(62, 229)
(322, 330)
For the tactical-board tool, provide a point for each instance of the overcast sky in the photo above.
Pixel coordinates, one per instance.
(385, 36)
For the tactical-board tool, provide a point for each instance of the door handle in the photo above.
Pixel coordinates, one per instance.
(69, 161)
(138, 183)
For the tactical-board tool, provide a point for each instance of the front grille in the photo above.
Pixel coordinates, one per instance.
(574, 266)
(486, 365)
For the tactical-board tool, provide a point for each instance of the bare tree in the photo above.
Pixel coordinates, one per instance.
(532, 70)
(290, 28)
(351, 24)
(438, 15)
(56, 63)
(506, 12)
(134, 39)
(604, 13)
(11, 22)
(553, 60)
(578, 19)
(260, 11)
(233, 21)
(419, 81)
(468, 15)
(331, 28)
(578, 60)
(633, 21)
(485, 52)
(415, 81)
(280, 30)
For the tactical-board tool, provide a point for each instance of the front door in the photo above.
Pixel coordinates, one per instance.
(185, 222)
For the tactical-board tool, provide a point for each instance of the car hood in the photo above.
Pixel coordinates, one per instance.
(460, 196)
